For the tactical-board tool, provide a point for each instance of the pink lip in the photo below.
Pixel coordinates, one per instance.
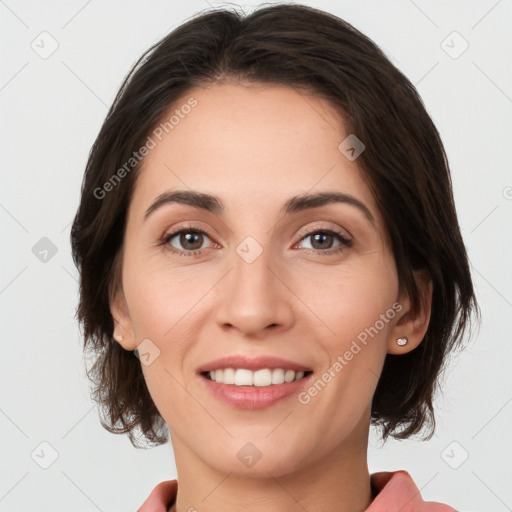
(251, 397)
(252, 363)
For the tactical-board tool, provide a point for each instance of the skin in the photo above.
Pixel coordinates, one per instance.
(255, 146)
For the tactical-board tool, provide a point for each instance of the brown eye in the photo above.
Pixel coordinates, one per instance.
(186, 241)
(327, 241)
(322, 240)
(191, 240)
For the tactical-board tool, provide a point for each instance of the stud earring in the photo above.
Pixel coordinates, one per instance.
(119, 337)
(401, 341)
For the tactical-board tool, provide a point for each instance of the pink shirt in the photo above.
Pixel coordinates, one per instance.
(393, 491)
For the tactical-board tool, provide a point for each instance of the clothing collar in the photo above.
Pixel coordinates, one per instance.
(393, 491)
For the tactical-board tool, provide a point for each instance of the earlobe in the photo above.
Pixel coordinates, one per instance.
(412, 324)
(123, 330)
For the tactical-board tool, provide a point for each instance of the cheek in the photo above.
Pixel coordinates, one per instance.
(352, 298)
(360, 319)
(161, 299)
(165, 307)
(344, 387)
(356, 304)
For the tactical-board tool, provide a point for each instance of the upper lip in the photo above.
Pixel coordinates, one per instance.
(252, 363)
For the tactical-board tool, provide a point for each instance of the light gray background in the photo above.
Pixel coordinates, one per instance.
(51, 112)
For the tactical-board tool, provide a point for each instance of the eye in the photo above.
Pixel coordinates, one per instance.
(322, 241)
(187, 241)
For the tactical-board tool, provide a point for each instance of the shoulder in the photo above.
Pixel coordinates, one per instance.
(396, 490)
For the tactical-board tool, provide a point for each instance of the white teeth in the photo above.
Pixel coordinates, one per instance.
(263, 378)
(243, 377)
(277, 376)
(289, 375)
(260, 378)
(228, 376)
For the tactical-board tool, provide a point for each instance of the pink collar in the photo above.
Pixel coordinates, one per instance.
(397, 492)
(394, 491)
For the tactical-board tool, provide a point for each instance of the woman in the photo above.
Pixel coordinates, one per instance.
(270, 262)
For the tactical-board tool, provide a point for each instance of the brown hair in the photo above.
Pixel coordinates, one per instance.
(404, 163)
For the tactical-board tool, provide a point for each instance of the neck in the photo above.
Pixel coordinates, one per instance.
(338, 482)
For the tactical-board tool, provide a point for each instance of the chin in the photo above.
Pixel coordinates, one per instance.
(260, 459)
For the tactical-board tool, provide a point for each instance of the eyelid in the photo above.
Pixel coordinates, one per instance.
(345, 234)
(169, 235)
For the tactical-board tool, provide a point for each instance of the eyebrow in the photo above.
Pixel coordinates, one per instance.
(213, 204)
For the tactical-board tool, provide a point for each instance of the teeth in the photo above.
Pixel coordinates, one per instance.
(259, 378)
(277, 376)
(262, 378)
(228, 376)
(243, 377)
(289, 375)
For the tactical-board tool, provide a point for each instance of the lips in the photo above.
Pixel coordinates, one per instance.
(253, 382)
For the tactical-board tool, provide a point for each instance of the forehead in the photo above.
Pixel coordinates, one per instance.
(250, 144)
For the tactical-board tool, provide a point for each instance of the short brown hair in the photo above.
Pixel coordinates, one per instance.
(404, 163)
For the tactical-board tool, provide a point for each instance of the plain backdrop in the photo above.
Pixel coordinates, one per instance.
(62, 63)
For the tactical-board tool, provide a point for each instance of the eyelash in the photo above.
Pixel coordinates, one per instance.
(344, 242)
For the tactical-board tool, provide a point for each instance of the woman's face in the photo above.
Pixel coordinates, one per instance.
(257, 279)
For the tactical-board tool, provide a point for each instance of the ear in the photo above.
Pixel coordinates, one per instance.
(412, 324)
(123, 328)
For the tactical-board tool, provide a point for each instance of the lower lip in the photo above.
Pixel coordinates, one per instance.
(254, 397)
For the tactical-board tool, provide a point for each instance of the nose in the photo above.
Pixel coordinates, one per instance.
(254, 298)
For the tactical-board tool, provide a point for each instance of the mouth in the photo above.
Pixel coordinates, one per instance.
(242, 388)
(263, 377)
(253, 383)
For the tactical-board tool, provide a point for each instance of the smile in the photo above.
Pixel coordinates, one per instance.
(260, 378)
